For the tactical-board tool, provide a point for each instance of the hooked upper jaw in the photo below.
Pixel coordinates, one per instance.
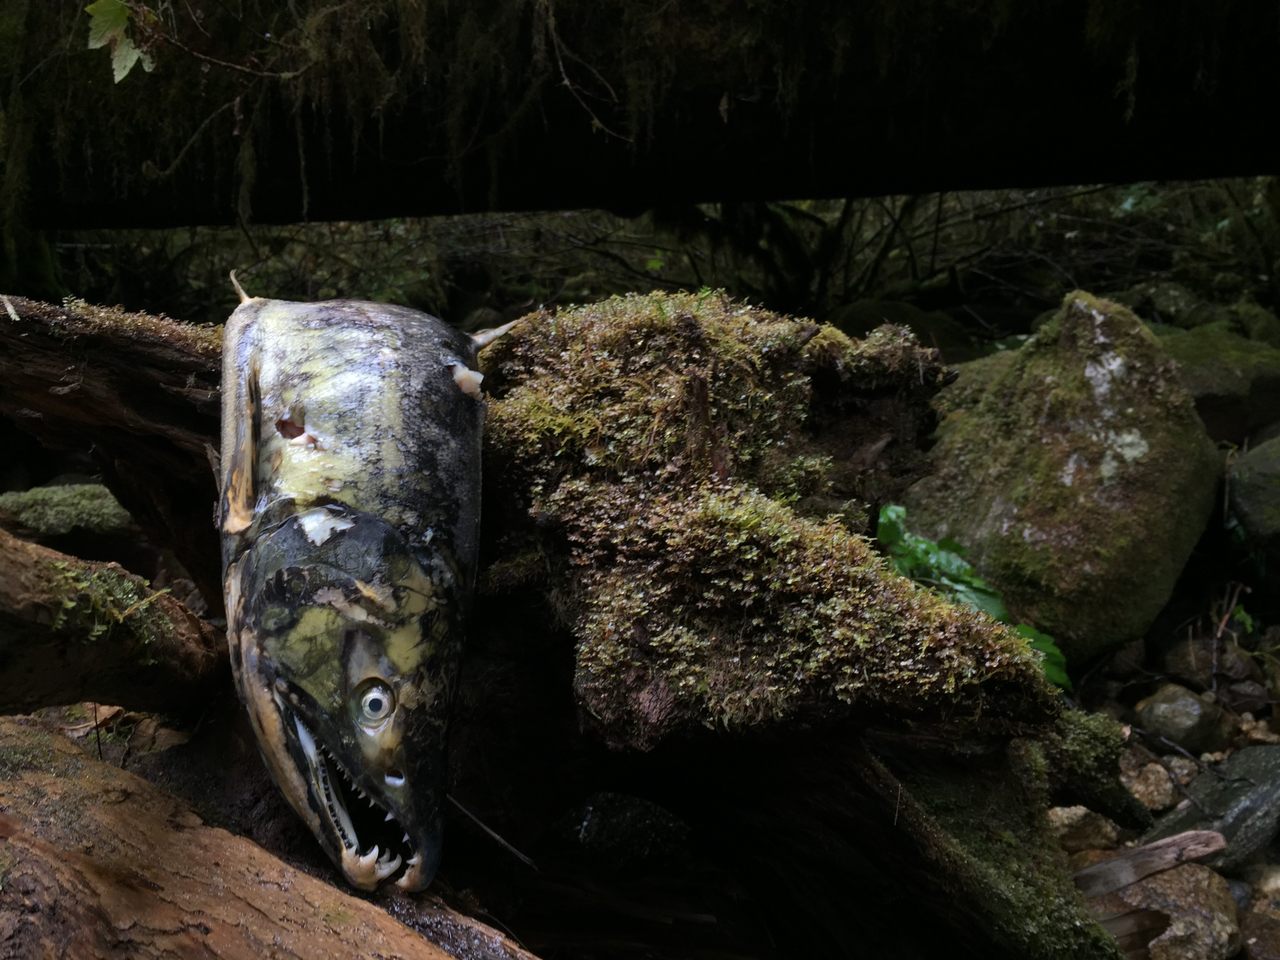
(373, 846)
(357, 823)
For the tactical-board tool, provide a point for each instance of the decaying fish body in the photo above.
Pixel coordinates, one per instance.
(349, 518)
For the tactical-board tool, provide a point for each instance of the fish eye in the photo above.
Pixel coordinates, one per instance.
(376, 701)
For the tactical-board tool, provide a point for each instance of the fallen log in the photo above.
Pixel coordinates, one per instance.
(95, 862)
(142, 392)
(73, 630)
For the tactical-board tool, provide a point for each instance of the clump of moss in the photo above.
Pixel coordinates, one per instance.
(718, 606)
(1083, 754)
(100, 598)
(56, 511)
(691, 383)
(79, 318)
(663, 439)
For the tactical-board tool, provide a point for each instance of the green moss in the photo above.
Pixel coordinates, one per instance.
(666, 439)
(683, 381)
(77, 318)
(724, 609)
(35, 749)
(100, 599)
(989, 812)
(54, 511)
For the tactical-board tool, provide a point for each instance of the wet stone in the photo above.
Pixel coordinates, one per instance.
(1260, 936)
(1079, 828)
(1150, 783)
(1202, 913)
(1239, 799)
(1184, 718)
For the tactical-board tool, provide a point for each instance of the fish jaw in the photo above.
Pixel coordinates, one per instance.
(309, 640)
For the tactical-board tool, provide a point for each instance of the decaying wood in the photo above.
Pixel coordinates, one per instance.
(142, 392)
(73, 630)
(1134, 928)
(95, 862)
(1130, 866)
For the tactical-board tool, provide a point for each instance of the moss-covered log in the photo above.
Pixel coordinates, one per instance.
(74, 630)
(95, 862)
(706, 467)
(348, 110)
(141, 393)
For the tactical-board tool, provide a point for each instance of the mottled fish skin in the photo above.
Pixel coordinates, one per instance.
(349, 518)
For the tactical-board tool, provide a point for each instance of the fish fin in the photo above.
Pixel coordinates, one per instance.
(244, 297)
(482, 338)
(239, 490)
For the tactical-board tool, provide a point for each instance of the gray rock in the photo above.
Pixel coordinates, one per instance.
(1240, 799)
(1077, 474)
(1255, 493)
(1185, 718)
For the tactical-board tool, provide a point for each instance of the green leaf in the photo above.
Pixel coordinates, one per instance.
(942, 566)
(123, 58)
(1052, 660)
(980, 597)
(890, 529)
(108, 20)
(1244, 618)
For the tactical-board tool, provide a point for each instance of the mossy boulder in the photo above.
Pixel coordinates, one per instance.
(1076, 472)
(1255, 493)
(660, 463)
(1235, 381)
(674, 443)
(1255, 504)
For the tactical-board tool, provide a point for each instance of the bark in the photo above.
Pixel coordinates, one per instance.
(73, 630)
(96, 863)
(143, 393)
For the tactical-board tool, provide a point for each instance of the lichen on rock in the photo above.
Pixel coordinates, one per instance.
(671, 442)
(1077, 474)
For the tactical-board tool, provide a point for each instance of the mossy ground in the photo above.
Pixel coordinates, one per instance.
(668, 438)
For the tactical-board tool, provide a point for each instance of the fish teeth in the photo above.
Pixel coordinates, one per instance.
(415, 860)
(388, 818)
(406, 838)
(386, 868)
(369, 859)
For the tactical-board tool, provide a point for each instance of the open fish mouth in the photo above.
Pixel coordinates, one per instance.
(375, 846)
